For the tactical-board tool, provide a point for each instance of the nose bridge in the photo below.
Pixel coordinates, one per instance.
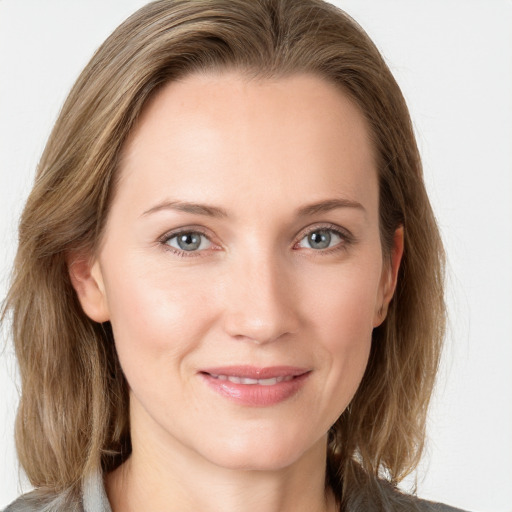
(259, 303)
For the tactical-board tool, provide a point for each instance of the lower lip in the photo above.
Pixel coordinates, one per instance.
(256, 395)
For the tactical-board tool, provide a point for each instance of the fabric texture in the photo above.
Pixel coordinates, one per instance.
(94, 495)
(93, 498)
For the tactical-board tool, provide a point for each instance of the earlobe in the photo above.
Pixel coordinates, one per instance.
(390, 276)
(87, 280)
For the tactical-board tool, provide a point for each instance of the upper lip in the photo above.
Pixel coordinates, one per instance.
(254, 372)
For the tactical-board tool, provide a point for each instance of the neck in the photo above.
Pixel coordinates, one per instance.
(169, 477)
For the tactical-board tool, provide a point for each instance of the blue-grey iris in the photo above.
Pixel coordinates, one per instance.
(320, 239)
(189, 241)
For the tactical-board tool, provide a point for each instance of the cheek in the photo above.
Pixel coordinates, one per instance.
(155, 311)
(159, 318)
(345, 301)
(343, 315)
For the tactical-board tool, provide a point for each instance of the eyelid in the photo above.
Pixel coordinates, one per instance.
(164, 239)
(343, 232)
(346, 236)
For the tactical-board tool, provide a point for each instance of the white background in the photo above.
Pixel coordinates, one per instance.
(453, 60)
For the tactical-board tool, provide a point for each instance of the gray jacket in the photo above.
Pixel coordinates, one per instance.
(94, 499)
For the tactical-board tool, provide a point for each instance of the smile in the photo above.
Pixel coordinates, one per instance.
(248, 381)
(251, 386)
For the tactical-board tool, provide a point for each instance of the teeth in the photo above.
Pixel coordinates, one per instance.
(269, 382)
(246, 380)
(251, 382)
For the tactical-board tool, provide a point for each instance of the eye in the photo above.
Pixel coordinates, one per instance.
(321, 239)
(189, 241)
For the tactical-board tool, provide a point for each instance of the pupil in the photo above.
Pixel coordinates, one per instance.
(189, 241)
(320, 239)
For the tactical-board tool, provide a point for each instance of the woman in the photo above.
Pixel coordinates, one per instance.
(228, 291)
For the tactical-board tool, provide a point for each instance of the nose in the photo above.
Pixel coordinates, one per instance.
(260, 305)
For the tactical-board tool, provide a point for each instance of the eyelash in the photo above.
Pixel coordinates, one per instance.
(164, 241)
(346, 237)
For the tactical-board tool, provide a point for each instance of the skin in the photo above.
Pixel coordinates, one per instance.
(256, 292)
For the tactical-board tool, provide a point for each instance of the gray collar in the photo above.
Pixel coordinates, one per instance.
(94, 494)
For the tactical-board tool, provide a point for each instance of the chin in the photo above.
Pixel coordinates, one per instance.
(269, 461)
(260, 454)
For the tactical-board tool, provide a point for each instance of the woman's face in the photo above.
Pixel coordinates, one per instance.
(241, 267)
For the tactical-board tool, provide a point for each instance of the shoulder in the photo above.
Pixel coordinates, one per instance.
(413, 503)
(89, 497)
(43, 501)
(381, 496)
(429, 506)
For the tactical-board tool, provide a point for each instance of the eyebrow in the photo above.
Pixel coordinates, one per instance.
(188, 207)
(327, 206)
(217, 212)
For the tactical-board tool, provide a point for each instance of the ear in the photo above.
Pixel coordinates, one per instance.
(389, 277)
(87, 280)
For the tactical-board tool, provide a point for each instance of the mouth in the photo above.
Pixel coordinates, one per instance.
(251, 382)
(252, 386)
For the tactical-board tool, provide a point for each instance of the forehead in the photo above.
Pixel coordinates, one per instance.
(298, 133)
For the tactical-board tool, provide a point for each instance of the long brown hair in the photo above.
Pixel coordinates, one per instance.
(73, 412)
